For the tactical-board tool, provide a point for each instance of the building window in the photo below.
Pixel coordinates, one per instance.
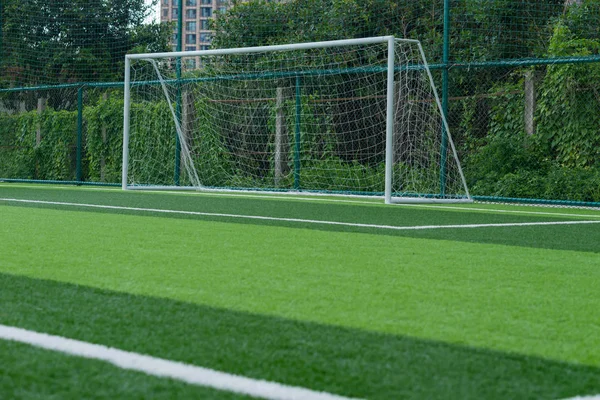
(190, 38)
(165, 12)
(209, 2)
(222, 9)
(191, 3)
(165, 2)
(174, 13)
(190, 26)
(222, 2)
(204, 47)
(174, 37)
(204, 24)
(205, 37)
(191, 13)
(190, 48)
(206, 11)
(175, 2)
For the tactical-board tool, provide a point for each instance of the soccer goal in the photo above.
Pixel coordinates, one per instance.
(345, 117)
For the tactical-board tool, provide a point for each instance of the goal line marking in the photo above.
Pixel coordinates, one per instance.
(300, 220)
(326, 199)
(165, 368)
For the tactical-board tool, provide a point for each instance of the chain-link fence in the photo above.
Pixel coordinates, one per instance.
(520, 80)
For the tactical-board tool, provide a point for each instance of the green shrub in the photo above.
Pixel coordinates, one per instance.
(575, 184)
(104, 140)
(52, 159)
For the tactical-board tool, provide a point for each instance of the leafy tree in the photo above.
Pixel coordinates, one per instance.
(264, 22)
(249, 24)
(487, 30)
(562, 160)
(569, 105)
(61, 41)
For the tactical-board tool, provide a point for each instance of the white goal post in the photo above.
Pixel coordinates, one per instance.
(346, 117)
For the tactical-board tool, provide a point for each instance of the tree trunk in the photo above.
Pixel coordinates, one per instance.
(569, 3)
(41, 106)
(530, 102)
(280, 138)
(102, 160)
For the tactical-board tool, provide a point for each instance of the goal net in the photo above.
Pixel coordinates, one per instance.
(353, 117)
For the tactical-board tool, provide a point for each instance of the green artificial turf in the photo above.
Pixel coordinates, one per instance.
(28, 373)
(351, 362)
(365, 211)
(462, 313)
(529, 300)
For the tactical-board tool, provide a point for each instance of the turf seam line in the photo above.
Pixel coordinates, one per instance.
(303, 221)
(165, 368)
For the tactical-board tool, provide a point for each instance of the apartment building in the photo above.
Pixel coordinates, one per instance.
(196, 34)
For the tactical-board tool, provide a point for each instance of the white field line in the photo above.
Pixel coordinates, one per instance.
(596, 397)
(299, 220)
(164, 368)
(380, 203)
(459, 208)
(375, 201)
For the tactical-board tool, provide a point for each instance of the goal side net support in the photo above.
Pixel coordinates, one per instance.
(345, 117)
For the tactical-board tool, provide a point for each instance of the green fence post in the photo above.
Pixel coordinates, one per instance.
(1, 35)
(445, 87)
(78, 173)
(178, 116)
(297, 136)
(178, 105)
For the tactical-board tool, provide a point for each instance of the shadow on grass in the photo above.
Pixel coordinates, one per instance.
(328, 358)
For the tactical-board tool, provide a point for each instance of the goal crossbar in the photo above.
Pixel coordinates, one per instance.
(273, 48)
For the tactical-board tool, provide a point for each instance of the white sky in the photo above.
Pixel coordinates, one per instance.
(156, 12)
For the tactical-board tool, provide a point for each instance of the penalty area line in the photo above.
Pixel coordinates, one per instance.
(164, 368)
(300, 220)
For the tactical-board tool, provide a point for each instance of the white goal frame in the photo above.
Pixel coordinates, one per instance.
(390, 40)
